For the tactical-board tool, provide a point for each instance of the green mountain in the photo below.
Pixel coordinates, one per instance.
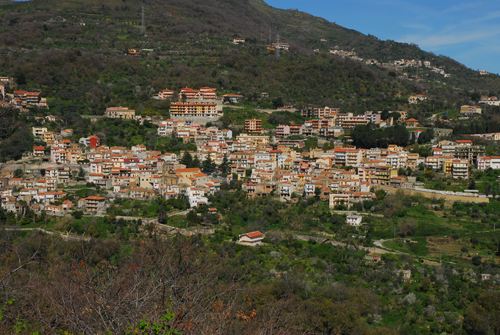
(75, 52)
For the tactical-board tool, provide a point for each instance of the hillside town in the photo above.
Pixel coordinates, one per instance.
(267, 162)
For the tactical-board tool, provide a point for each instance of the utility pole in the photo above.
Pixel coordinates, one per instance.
(270, 38)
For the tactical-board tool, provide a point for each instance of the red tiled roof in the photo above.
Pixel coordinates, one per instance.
(254, 234)
(95, 198)
(187, 170)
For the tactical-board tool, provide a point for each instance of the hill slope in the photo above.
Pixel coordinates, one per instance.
(75, 51)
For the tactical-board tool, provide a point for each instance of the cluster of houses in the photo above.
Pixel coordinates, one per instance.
(414, 99)
(467, 111)
(399, 64)
(22, 100)
(268, 166)
(491, 101)
(328, 122)
(343, 175)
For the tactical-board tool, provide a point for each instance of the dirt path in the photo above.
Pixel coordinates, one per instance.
(67, 237)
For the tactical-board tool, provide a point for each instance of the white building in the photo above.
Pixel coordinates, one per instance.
(354, 220)
(252, 238)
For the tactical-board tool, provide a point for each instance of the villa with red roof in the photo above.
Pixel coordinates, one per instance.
(412, 123)
(253, 238)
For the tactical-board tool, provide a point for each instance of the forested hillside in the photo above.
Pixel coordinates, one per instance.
(76, 53)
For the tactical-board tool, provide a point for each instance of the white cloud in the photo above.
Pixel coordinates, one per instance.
(469, 5)
(436, 41)
(417, 26)
(487, 17)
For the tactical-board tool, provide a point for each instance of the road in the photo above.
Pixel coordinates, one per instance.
(268, 111)
(67, 237)
(379, 249)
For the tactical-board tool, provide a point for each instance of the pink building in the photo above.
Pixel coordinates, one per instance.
(208, 93)
(282, 130)
(189, 93)
(165, 94)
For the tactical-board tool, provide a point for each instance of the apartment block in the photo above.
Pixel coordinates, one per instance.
(253, 126)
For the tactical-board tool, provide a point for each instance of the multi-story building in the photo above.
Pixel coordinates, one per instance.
(195, 109)
(48, 137)
(470, 111)
(461, 149)
(188, 93)
(460, 169)
(28, 98)
(92, 204)
(58, 155)
(38, 131)
(208, 93)
(492, 101)
(33, 98)
(373, 117)
(485, 162)
(38, 151)
(164, 94)
(319, 113)
(282, 130)
(353, 157)
(120, 113)
(353, 122)
(162, 130)
(253, 126)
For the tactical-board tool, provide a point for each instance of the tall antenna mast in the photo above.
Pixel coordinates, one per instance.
(270, 39)
(143, 26)
(278, 46)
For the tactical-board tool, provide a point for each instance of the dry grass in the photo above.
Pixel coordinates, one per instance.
(447, 244)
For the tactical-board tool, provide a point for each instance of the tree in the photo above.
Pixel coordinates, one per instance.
(18, 173)
(406, 227)
(81, 173)
(16, 144)
(208, 165)
(472, 184)
(196, 162)
(9, 120)
(483, 316)
(317, 192)
(187, 159)
(426, 136)
(225, 166)
(393, 205)
(193, 218)
(487, 189)
(476, 260)
(278, 102)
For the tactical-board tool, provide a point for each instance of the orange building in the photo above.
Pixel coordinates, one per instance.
(253, 126)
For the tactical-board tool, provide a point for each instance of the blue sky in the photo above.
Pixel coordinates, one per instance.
(467, 31)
